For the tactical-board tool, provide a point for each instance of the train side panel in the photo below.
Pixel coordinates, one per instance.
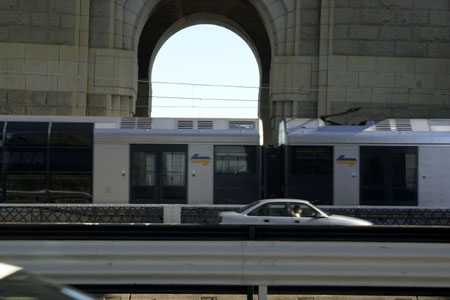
(111, 174)
(200, 173)
(346, 175)
(434, 176)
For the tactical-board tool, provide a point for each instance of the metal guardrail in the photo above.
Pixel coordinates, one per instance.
(278, 259)
(136, 232)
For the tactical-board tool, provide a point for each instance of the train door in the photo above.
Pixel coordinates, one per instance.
(388, 176)
(2, 181)
(273, 178)
(158, 174)
(236, 174)
(309, 174)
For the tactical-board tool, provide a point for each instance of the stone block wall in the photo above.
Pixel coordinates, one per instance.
(47, 66)
(40, 21)
(393, 28)
(295, 75)
(43, 79)
(386, 86)
(391, 58)
(79, 57)
(43, 57)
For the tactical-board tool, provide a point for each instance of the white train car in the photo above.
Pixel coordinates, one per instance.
(391, 163)
(129, 160)
(177, 161)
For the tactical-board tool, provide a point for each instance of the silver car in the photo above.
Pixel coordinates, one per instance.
(287, 212)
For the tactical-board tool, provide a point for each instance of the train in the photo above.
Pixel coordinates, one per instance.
(114, 160)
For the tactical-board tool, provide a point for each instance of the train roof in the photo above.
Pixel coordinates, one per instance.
(390, 131)
(113, 130)
(145, 123)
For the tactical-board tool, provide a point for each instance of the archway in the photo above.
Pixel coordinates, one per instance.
(170, 16)
(205, 71)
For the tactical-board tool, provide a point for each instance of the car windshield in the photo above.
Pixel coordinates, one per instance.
(319, 212)
(242, 209)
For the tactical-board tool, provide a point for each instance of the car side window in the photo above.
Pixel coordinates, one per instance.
(306, 210)
(271, 210)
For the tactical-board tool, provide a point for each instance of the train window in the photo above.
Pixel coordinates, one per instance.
(71, 179)
(26, 134)
(174, 168)
(389, 176)
(235, 160)
(310, 160)
(2, 124)
(144, 167)
(2, 195)
(26, 162)
(310, 174)
(72, 135)
(236, 170)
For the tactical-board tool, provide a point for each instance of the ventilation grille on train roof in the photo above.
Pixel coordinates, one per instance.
(403, 125)
(185, 124)
(383, 126)
(242, 125)
(439, 122)
(136, 123)
(442, 125)
(204, 125)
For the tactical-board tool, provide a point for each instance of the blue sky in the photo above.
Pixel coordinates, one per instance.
(205, 54)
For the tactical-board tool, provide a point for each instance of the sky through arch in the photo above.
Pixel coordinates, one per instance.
(205, 71)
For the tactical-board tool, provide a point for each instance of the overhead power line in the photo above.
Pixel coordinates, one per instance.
(204, 99)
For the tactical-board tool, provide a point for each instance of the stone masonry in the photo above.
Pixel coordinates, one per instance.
(80, 57)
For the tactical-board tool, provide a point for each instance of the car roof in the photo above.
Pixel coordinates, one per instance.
(284, 200)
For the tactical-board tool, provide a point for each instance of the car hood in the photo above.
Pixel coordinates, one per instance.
(344, 220)
(228, 213)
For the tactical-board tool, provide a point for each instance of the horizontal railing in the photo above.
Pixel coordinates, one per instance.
(136, 232)
(127, 258)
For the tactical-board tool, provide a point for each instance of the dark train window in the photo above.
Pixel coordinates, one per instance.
(2, 189)
(27, 134)
(42, 168)
(389, 176)
(174, 169)
(311, 160)
(235, 160)
(236, 174)
(310, 174)
(144, 169)
(26, 162)
(71, 162)
(72, 135)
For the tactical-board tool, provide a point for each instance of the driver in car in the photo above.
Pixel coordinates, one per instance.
(296, 212)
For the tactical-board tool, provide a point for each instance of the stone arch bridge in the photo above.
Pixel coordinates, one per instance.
(94, 57)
